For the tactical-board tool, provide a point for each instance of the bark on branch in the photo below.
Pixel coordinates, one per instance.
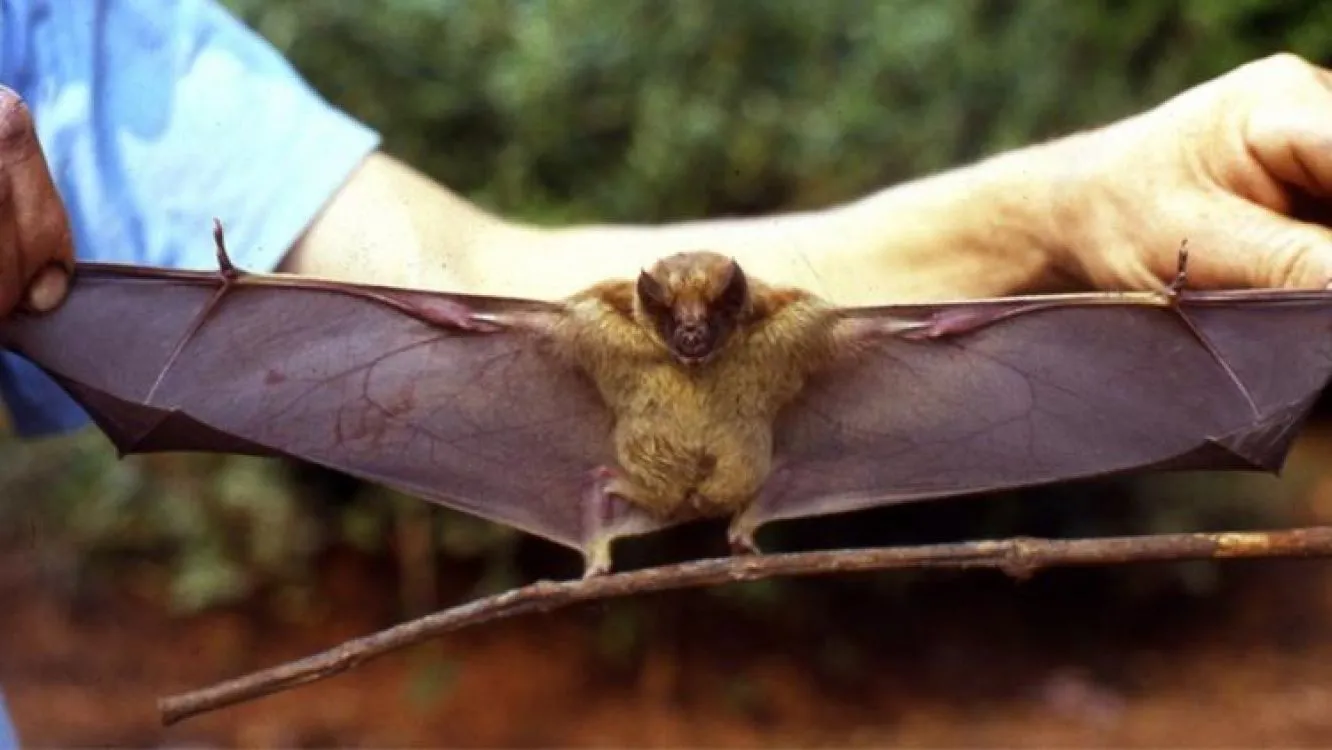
(1019, 557)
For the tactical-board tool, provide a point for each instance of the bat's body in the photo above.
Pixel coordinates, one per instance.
(689, 439)
(693, 430)
(694, 391)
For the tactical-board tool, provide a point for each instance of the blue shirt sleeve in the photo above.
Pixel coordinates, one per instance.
(8, 735)
(156, 116)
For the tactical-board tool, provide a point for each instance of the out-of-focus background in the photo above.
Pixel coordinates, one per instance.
(122, 581)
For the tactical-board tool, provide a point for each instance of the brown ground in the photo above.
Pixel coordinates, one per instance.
(968, 659)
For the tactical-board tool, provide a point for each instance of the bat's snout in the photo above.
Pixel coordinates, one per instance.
(692, 342)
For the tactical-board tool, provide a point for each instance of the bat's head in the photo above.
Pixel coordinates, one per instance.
(693, 301)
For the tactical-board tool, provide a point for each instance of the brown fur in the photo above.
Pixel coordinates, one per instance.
(695, 440)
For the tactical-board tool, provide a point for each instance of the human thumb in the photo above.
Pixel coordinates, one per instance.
(48, 288)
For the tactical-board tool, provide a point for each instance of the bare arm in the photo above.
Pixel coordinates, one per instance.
(392, 225)
(1217, 165)
(982, 230)
(1220, 165)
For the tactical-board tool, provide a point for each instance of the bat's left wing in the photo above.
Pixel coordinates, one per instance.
(1000, 394)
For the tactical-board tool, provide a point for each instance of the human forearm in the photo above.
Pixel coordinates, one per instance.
(392, 225)
(1238, 167)
(1219, 166)
(984, 230)
(987, 229)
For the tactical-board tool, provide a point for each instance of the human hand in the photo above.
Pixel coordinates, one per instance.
(1236, 166)
(36, 249)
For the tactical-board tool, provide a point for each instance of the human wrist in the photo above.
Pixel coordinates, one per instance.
(1094, 177)
(1035, 202)
(992, 228)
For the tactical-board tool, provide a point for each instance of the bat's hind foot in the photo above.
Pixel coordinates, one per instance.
(740, 536)
(599, 502)
(610, 514)
(597, 559)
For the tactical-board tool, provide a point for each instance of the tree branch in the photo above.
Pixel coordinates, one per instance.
(1019, 557)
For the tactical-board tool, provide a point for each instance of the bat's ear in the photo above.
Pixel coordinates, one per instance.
(736, 291)
(651, 293)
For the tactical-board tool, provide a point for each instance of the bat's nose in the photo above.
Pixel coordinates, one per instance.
(692, 339)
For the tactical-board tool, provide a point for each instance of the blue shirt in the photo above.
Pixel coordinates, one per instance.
(155, 116)
(8, 739)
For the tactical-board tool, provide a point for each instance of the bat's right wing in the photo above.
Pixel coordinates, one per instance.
(407, 389)
(1011, 393)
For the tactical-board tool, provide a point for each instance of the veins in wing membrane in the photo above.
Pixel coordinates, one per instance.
(1031, 380)
(468, 433)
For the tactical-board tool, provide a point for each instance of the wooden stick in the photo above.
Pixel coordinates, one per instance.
(1018, 557)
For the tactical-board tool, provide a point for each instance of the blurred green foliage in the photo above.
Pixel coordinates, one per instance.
(641, 110)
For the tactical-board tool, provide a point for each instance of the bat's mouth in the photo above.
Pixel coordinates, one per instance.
(694, 356)
(692, 344)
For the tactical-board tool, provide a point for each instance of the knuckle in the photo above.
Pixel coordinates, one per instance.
(1295, 265)
(1280, 67)
(1286, 61)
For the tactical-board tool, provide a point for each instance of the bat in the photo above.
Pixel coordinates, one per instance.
(692, 391)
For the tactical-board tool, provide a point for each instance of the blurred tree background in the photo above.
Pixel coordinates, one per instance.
(644, 111)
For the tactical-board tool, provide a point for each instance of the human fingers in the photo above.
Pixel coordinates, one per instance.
(1287, 125)
(12, 278)
(1236, 243)
(38, 243)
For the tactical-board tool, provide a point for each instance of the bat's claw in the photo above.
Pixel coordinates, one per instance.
(225, 267)
(1181, 271)
(744, 547)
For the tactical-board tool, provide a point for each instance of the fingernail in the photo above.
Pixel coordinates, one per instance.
(48, 289)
